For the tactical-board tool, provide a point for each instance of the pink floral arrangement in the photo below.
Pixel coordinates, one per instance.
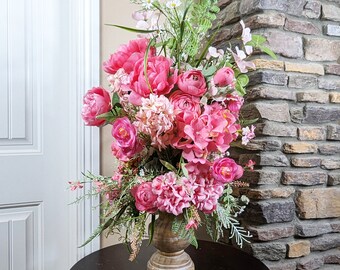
(174, 107)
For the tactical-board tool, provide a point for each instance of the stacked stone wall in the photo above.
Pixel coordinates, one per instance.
(295, 187)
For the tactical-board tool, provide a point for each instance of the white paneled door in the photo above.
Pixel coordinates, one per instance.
(48, 58)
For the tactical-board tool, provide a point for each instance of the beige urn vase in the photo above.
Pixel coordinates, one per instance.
(170, 252)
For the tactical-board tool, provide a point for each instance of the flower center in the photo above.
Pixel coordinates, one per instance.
(225, 171)
(122, 132)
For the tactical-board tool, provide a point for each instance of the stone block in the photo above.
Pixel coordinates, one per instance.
(268, 64)
(223, 3)
(261, 144)
(283, 43)
(278, 112)
(230, 14)
(333, 179)
(297, 114)
(318, 203)
(303, 27)
(302, 81)
(265, 20)
(270, 211)
(268, 77)
(273, 158)
(312, 68)
(299, 148)
(330, 163)
(311, 262)
(312, 228)
(298, 249)
(312, 9)
(276, 129)
(305, 162)
(335, 225)
(262, 177)
(294, 7)
(332, 257)
(281, 265)
(334, 97)
(333, 132)
(329, 82)
(273, 251)
(332, 69)
(311, 133)
(312, 96)
(267, 193)
(332, 30)
(268, 93)
(325, 242)
(321, 114)
(330, 12)
(329, 148)
(304, 178)
(271, 232)
(330, 49)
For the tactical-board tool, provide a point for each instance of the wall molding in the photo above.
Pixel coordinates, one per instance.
(84, 69)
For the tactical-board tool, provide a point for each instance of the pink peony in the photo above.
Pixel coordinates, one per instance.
(192, 82)
(161, 78)
(225, 170)
(126, 143)
(173, 195)
(183, 102)
(224, 76)
(145, 198)
(127, 56)
(96, 101)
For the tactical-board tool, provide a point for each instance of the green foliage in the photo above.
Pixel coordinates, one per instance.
(178, 227)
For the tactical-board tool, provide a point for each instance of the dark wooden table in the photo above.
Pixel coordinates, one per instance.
(208, 256)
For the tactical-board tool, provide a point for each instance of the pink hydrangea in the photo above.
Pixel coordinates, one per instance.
(96, 101)
(127, 56)
(234, 103)
(173, 194)
(155, 118)
(161, 78)
(225, 170)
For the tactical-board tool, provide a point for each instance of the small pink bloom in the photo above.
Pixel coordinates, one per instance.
(96, 101)
(145, 198)
(241, 64)
(161, 78)
(250, 165)
(247, 134)
(75, 185)
(234, 103)
(192, 223)
(224, 76)
(192, 82)
(246, 37)
(127, 56)
(225, 170)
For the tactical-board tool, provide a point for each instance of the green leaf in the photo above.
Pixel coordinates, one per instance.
(115, 99)
(239, 89)
(247, 122)
(134, 30)
(268, 51)
(209, 71)
(98, 231)
(243, 80)
(168, 165)
(152, 228)
(257, 40)
(184, 170)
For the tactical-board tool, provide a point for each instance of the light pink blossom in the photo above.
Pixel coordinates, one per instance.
(246, 37)
(192, 224)
(248, 134)
(239, 59)
(75, 185)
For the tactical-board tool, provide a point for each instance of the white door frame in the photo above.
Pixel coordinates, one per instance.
(84, 69)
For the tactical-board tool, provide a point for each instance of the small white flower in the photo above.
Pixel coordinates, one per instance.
(173, 3)
(147, 3)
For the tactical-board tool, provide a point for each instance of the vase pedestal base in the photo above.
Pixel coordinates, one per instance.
(170, 261)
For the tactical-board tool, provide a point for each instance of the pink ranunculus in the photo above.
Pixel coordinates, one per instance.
(145, 198)
(127, 55)
(224, 76)
(192, 82)
(225, 170)
(161, 78)
(183, 102)
(96, 101)
(126, 143)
